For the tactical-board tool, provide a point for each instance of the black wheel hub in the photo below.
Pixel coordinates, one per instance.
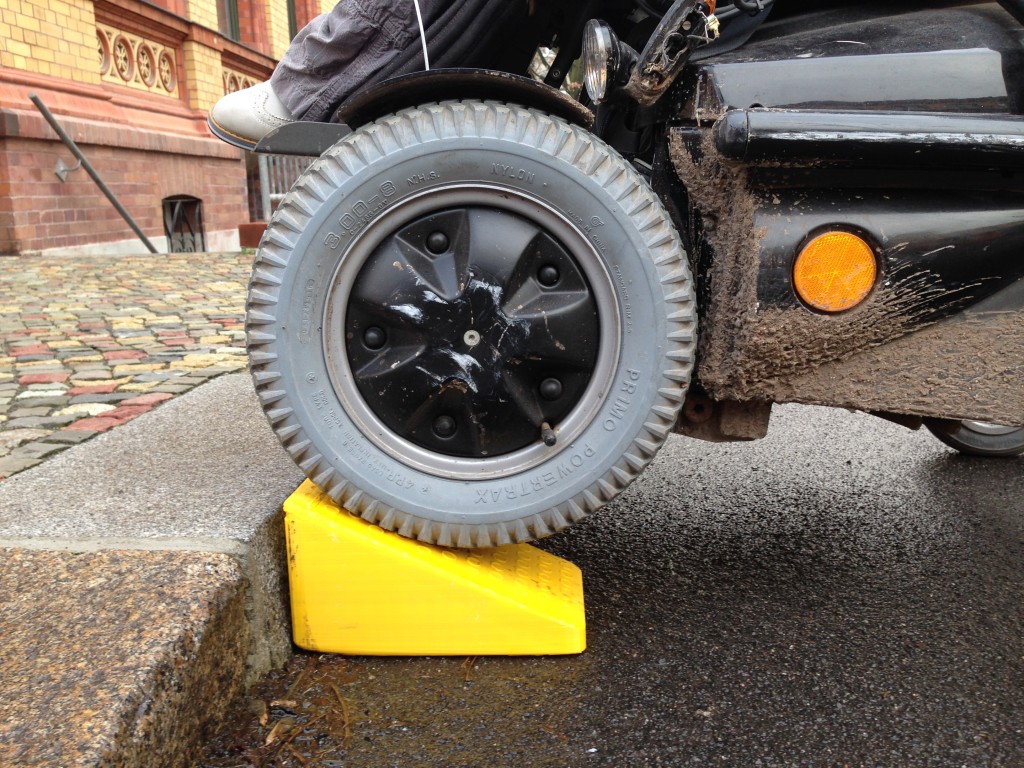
(472, 332)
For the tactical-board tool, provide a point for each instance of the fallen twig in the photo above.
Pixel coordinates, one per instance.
(467, 666)
(347, 730)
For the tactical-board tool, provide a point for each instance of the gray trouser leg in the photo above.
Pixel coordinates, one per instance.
(337, 51)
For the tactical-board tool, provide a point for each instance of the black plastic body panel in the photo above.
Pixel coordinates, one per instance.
(947, 80)
(960, 248)
(902, 126)
(907, 140)
(901, 122)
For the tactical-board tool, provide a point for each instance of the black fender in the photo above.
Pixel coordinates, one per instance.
(397, 93)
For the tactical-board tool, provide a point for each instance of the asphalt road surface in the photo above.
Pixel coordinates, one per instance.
(843, 593)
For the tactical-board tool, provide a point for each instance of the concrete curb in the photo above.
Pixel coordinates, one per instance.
(162, 540)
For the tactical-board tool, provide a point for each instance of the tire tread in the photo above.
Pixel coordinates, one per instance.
(556, 138)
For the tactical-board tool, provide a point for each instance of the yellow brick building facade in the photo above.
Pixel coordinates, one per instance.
(131, 82)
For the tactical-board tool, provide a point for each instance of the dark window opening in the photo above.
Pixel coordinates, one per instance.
(293, 20)
(227, 19)
(183, 224)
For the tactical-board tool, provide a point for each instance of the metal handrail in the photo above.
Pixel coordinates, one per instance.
(70, 144)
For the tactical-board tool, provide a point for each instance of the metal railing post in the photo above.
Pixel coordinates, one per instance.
(70, 144)
(265, 210)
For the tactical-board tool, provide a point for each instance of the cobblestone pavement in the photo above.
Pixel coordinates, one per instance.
(88, 343)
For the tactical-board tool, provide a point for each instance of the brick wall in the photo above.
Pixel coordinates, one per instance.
(48, 214)
(205, 79)
(203, 12)
(6, 209)
(252, 22)
(50, 37)
(38, 212)
(132, 82)
(277, 29)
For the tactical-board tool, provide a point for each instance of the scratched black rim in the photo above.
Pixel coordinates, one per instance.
(472, 332)
(470, 340)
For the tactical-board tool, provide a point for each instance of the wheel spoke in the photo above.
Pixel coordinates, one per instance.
(384, 340)
(390, 365)
(545, 279)
(390, 292)
(437, 250)
(363, 313)
(527, 383)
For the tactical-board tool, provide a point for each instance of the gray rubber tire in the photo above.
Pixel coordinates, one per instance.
(977, 438)
(431, 158)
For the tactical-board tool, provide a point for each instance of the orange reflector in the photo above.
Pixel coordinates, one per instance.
(835, 271)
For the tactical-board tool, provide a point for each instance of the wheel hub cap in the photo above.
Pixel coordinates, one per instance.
(471, 332)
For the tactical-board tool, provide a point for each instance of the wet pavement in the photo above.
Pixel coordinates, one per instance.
(843, 593)
(88, 343)
(140, 553)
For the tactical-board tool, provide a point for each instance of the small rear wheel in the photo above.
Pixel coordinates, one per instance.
(979, 438)
(471, 323)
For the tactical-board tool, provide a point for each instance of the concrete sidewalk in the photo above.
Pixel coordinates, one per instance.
(142, 583)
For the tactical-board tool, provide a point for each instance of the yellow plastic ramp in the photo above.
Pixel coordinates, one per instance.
(361, 590)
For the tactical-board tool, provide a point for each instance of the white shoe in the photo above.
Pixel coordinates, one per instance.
(244, 117)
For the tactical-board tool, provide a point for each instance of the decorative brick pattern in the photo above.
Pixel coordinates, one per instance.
(235, 80)
(130, 81)
(136, 62)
